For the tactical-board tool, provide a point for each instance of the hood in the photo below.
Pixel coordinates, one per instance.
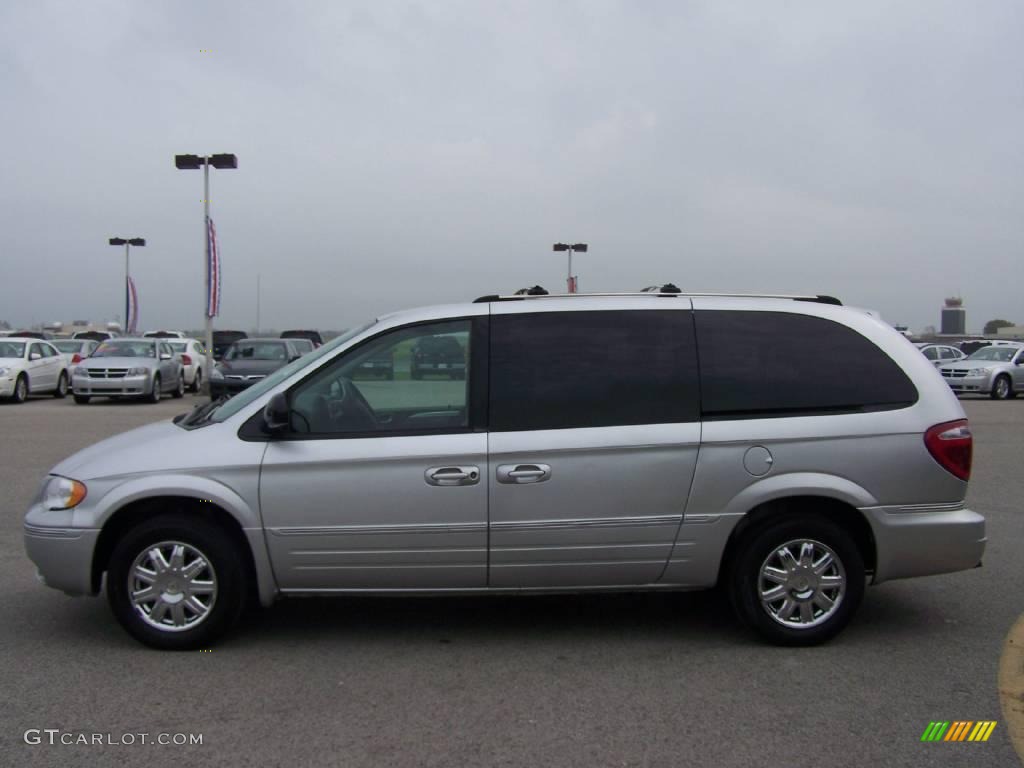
(119, 362)
(968, 365)
(123, 454)
(11, 361)
(249, 367)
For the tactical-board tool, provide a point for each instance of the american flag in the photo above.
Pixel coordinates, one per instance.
(212, 271)
(132, 321)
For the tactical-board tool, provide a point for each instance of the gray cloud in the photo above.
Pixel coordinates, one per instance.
(394, 154)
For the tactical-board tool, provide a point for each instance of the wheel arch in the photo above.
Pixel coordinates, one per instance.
(830, 508)
(132, 511)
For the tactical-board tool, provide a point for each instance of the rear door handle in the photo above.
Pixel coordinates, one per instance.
(522, 474)
(452, 476)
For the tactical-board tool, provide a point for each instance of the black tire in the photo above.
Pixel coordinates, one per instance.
(62, 386)
(82, 399)
(1001, 388)
(154, 396)
(179, 391)
(20, 389)
(755, 550)
(227, 569)
(197, 382)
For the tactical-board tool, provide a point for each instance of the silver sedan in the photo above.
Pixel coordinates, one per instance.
(135, 368)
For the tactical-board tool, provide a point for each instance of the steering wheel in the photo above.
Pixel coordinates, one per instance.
(351, 411)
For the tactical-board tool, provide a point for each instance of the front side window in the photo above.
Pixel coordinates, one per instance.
(563, 370)
(425, 388)
(765, 364)
(932, 353)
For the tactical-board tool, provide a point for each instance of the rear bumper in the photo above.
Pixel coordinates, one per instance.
(922, 540)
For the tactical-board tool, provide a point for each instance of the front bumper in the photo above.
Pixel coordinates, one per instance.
(6, 387)
(128, 386)
(62, 554)
(922, 540)
(976, 384)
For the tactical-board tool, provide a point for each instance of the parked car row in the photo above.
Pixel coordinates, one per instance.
(996, 370)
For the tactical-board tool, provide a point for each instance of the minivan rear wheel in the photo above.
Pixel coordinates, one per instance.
(797, 581)
(176, 582)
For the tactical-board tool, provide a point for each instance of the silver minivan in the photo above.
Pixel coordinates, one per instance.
(790, 449)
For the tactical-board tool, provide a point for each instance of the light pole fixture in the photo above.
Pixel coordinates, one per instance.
(224, 161)
(127, 243)
(571, 279)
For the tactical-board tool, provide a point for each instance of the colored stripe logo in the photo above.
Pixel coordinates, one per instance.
(959, 730)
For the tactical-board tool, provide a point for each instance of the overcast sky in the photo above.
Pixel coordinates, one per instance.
(394, 154)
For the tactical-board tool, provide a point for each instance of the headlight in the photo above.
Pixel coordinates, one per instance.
(138, 371)
(977, 371)
(80, 370)
(63, 493)
(4, 371)
(217, 374)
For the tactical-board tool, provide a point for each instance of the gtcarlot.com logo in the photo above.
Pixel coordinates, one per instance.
(55, 737)
(958, 730)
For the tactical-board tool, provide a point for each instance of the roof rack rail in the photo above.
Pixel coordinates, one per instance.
(662, 293)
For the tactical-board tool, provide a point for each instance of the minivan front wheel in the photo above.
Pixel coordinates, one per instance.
(797, 581)
(1001, 389)
(176, 582)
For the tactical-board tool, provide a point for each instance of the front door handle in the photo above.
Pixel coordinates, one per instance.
(522, 474)
(446, 476)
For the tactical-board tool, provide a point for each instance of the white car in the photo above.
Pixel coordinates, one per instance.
(192, 358)
(31, 366)
(941, 354)
(75, 350)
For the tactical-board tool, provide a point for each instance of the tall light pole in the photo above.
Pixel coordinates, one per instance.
(137, 242)
(194, 162)
(570, 281)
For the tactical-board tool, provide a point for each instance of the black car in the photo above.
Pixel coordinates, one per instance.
(441, 355)
(224, 339)
(33, 335)
(313, 336)
(380, 363)
(247, 361)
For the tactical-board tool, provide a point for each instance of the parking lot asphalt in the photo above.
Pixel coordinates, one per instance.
(595, 680)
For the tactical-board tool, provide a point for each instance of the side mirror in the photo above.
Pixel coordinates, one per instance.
(293, 358)
(35, 356)
(277, 415)
(165, 356)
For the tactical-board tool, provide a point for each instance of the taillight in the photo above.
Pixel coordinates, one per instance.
(186, 360)
(76, 359)
(951, 445)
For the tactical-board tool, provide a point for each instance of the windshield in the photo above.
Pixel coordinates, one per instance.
(246, 396)
(257, 350)
(997, 354)
(178, 346)
(125, 349)
(12, 349)
(67, 346)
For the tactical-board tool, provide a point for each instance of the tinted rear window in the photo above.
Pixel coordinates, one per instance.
(761, 364)
(592, 369)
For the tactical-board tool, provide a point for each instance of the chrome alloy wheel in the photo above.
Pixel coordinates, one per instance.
(172, 586)
(802, 583)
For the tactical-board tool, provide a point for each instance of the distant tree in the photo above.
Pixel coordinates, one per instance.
(4, 325)
(992, 326)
